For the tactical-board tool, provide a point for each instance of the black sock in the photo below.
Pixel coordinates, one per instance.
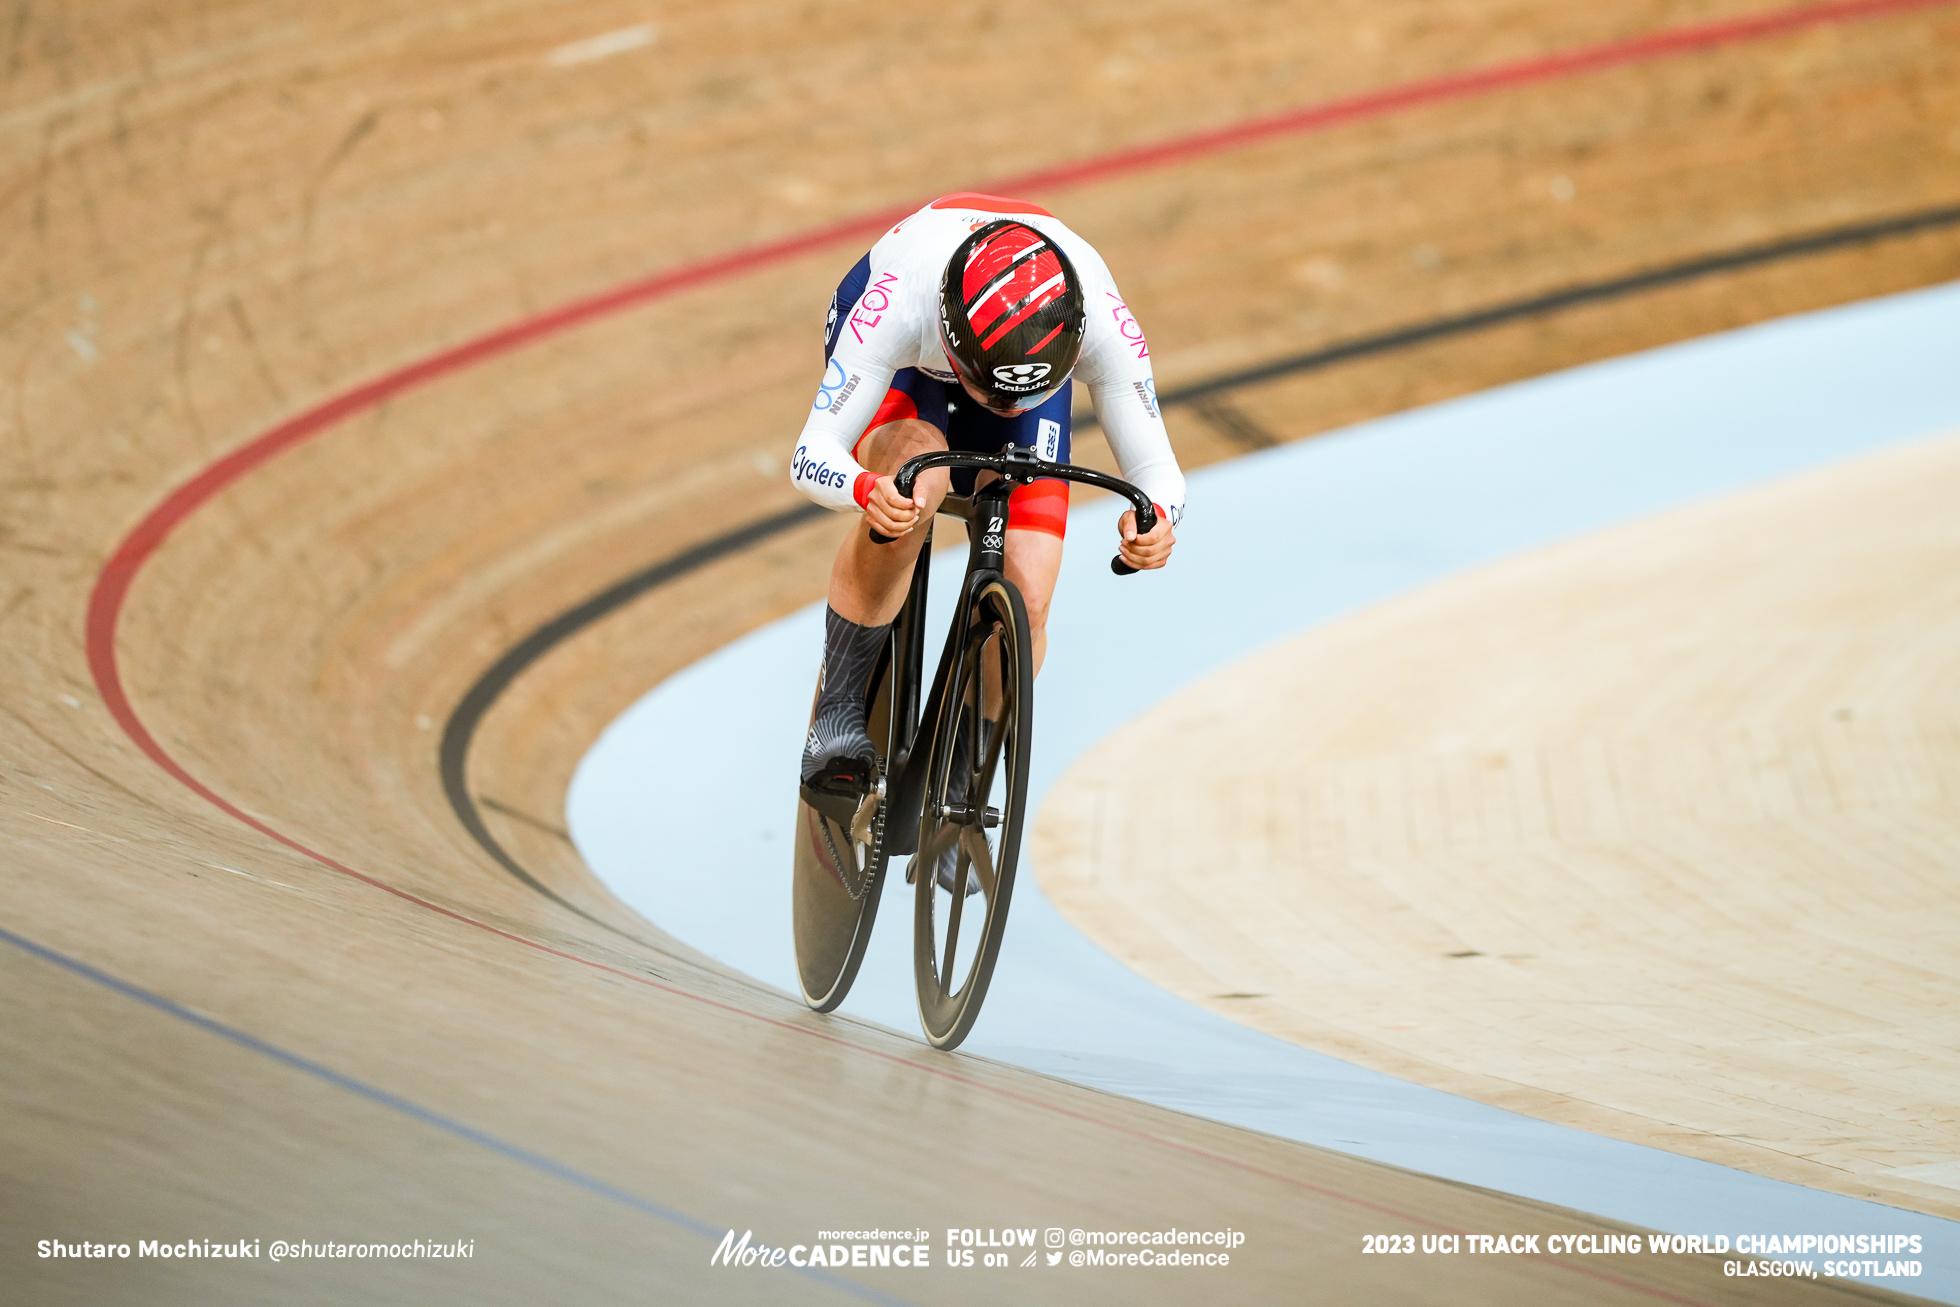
(837, 730)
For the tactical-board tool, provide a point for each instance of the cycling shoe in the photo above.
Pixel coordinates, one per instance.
(838, 786)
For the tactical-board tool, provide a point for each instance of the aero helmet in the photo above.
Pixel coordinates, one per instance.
(1010, 315)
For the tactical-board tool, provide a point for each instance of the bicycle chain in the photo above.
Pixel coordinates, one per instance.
(870, 850)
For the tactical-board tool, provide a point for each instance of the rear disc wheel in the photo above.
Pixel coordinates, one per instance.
(840, 870)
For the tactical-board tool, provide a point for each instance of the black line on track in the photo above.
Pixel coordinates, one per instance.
(525, 818)
(460, 729)
(1832, 238)
(1229, 421)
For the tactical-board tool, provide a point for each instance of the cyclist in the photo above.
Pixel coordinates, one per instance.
(963, 328)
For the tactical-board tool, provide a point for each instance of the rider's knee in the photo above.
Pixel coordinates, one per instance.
(1034, 561)
(887, 447)
(1037, 606)
(1036, 597)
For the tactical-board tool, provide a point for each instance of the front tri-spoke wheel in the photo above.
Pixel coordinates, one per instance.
(970, 831)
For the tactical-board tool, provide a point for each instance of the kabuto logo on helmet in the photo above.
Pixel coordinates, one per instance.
(1010, 307)
(1021, 376)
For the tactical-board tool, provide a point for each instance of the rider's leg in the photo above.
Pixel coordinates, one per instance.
(868, 581)
(1037, 516)
(1034, 560)
(867, 587)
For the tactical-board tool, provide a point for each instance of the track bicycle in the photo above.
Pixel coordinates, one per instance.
(950, 784)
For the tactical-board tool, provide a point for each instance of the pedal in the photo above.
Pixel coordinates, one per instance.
(839, 808)
(867, 812)
(847, 794)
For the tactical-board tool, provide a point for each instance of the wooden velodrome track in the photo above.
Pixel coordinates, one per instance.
(365, 1026)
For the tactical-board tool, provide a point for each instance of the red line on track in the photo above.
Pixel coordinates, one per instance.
(1458, 86)
(119, 573)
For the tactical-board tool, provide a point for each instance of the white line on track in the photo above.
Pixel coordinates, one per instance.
(603, 46)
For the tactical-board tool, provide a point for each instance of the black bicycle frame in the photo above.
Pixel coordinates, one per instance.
(986, 516)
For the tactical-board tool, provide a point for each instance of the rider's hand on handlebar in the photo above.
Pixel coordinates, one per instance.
(1146, 551)
(888, 512)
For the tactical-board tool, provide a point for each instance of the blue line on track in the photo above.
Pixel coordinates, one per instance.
(394, 1102)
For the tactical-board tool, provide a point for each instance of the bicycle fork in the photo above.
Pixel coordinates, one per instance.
(986, 559)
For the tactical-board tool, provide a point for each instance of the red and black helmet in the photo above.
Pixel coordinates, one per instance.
(1010, 315)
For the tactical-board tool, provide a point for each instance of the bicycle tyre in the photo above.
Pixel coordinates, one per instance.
(837, 879)
(995, 756)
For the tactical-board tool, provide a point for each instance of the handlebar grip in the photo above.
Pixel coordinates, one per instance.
(903, 482)
(1146, 523)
